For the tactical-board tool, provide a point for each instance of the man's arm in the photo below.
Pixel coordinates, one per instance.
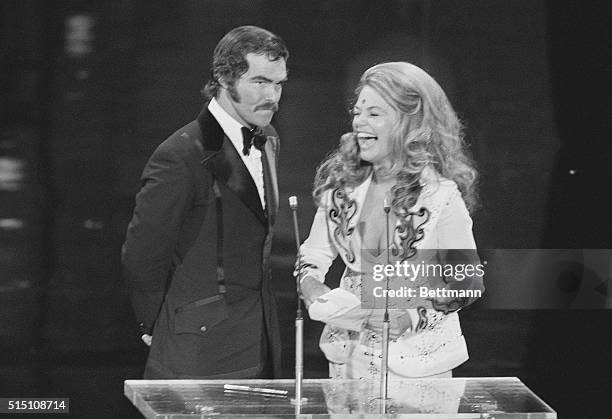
(167, 189)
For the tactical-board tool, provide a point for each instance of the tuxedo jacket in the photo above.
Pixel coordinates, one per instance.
(198, 220)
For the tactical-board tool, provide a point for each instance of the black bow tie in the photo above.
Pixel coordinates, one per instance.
(252, 137)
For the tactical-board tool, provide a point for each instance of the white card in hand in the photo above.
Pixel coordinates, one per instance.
(339, 308)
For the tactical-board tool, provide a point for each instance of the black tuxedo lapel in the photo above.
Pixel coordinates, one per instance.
(222, 159)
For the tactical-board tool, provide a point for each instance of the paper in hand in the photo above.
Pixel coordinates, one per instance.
(339, 308)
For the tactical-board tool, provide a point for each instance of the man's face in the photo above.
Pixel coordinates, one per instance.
(253, 98)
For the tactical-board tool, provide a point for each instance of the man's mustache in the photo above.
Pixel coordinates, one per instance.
(267, 106)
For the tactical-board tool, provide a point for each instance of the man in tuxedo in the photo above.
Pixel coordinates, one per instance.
(197, 251)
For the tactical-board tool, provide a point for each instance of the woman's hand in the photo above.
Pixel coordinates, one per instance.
(312, 289)
(448, 304)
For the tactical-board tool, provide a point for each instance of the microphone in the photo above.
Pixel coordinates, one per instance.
(293, 205)
(299, 320)
(386, 205)
(384, 367)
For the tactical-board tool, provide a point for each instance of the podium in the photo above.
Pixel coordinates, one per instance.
(490, 397)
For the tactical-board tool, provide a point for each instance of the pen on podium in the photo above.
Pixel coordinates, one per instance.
(299, 320)
(261, 390)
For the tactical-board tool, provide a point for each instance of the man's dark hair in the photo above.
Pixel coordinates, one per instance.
(229, 58)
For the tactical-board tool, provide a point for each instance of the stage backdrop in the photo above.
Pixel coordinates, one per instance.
(93, 87)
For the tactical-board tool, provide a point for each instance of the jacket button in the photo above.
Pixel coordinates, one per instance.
(203, 329)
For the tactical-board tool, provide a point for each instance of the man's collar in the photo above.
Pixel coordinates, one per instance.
(231, 127)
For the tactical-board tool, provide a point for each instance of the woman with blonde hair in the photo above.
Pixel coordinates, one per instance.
(406, 150)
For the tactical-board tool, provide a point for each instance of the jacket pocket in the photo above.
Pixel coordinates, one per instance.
(200, 316)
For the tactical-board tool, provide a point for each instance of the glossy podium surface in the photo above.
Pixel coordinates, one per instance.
(503, 397)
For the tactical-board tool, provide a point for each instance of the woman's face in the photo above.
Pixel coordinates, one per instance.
(373, 122)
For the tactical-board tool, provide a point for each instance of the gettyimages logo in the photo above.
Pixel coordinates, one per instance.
(431, 278)
(513, 278)
(411, 271)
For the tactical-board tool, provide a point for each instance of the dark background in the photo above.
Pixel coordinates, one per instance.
(84, 105)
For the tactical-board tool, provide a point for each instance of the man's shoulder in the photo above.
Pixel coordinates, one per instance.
(182, 141)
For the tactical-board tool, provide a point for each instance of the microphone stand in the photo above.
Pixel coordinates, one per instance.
(384, 367)
(299, 320)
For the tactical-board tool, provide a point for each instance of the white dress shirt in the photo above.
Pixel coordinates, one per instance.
(233, 129)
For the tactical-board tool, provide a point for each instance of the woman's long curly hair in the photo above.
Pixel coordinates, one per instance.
(428, 132)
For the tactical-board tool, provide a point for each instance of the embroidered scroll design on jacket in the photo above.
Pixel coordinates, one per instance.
(423, 321)
(342, 212)
(407, 235)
